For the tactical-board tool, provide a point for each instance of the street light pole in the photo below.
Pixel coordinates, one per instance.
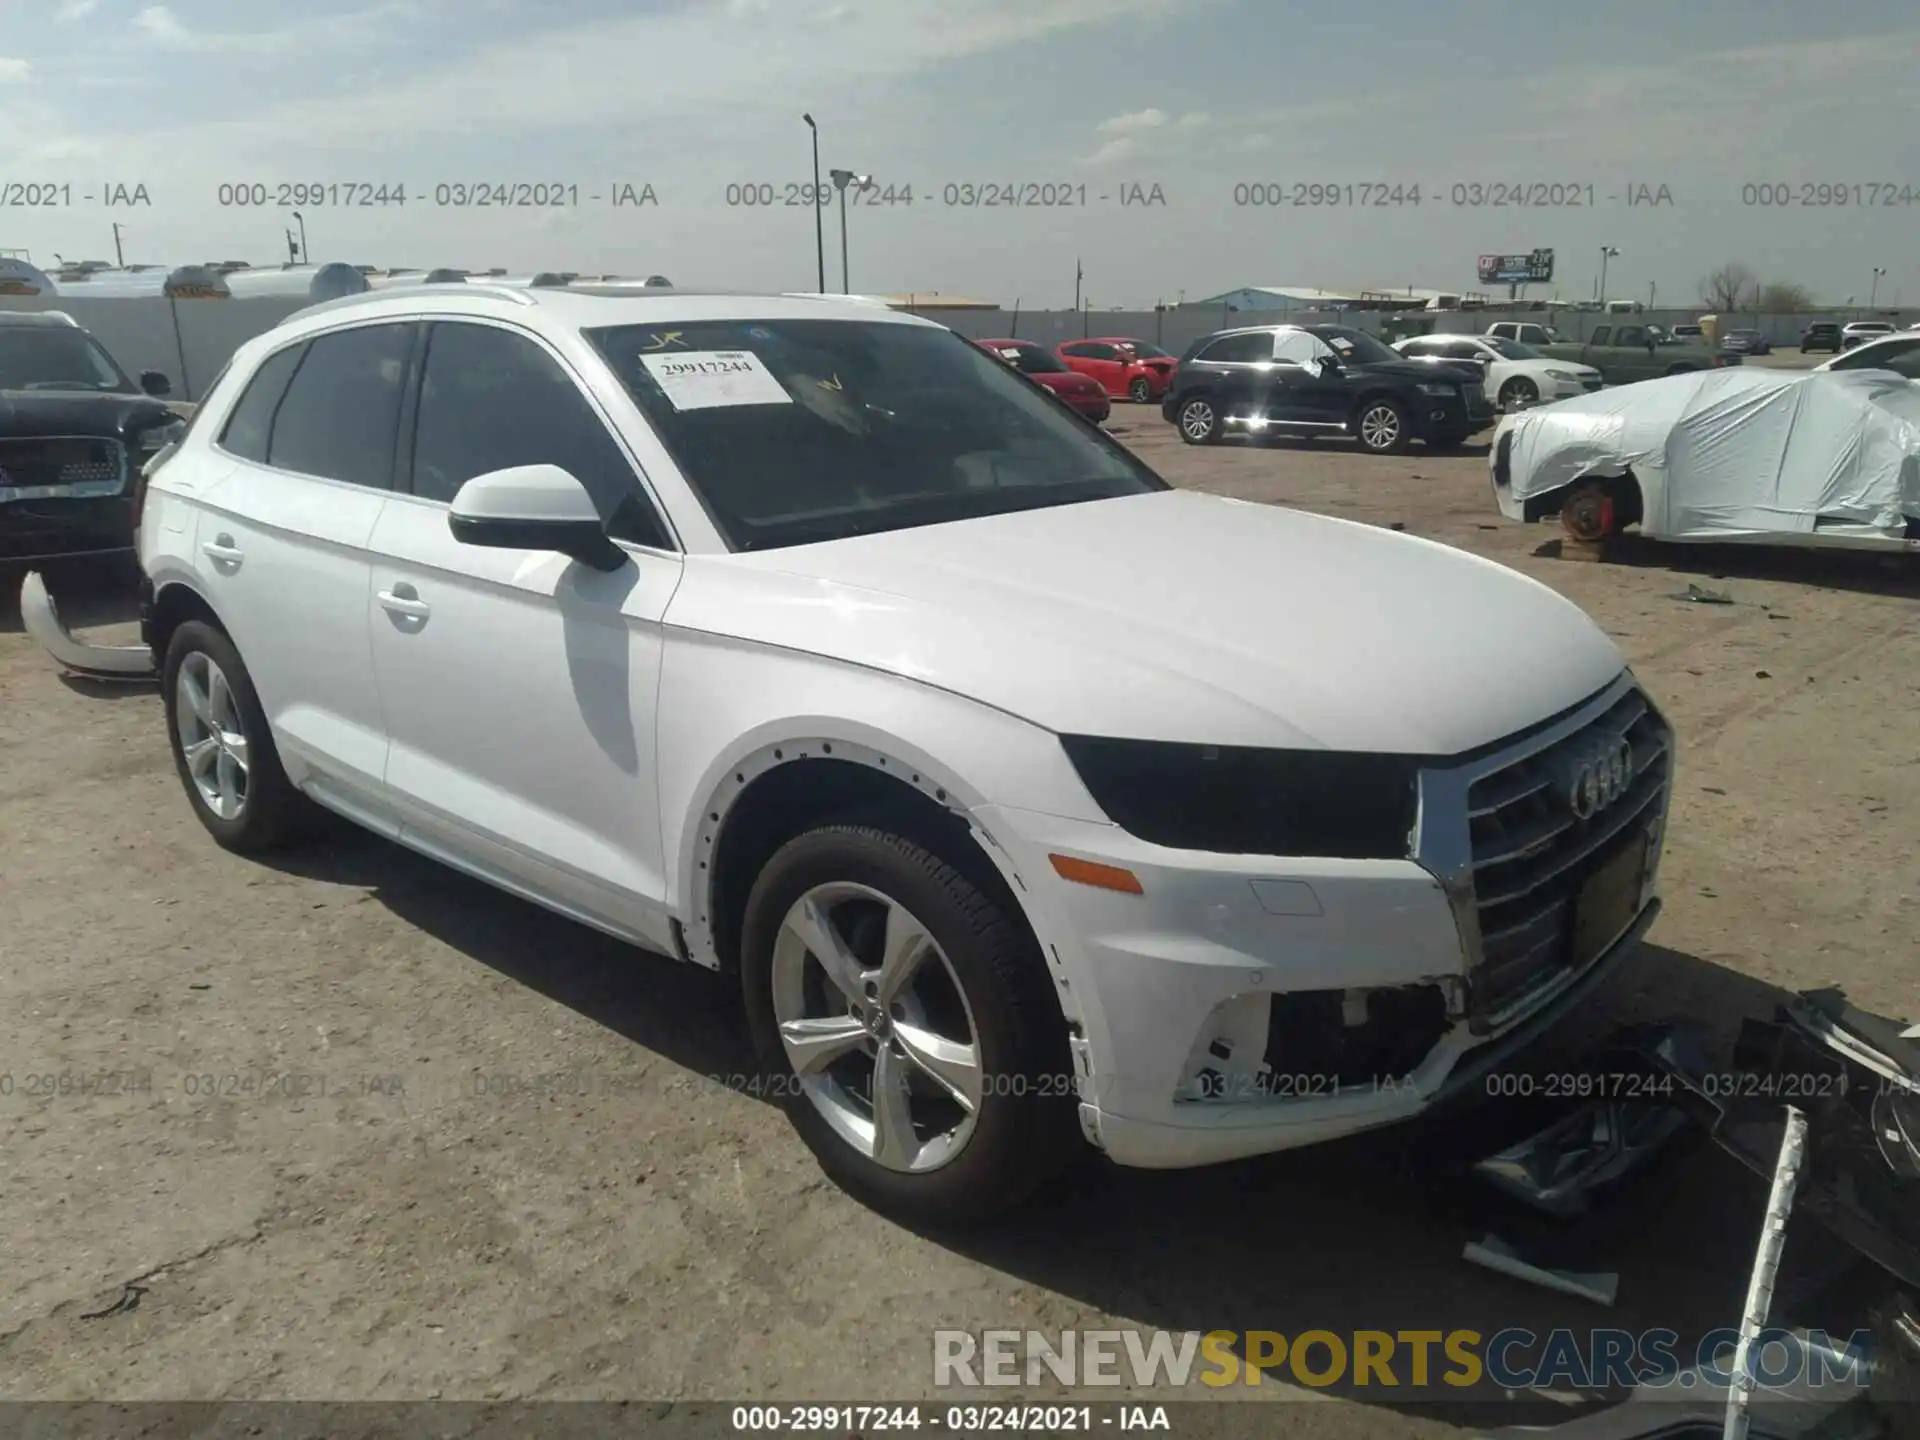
(305, 256)
(841, 180)
(1874, 293)
(819, 223)
(1607, 252)
(119, 255)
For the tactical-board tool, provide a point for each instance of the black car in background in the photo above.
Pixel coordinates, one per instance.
(1307, 380)
(1821, 335)
(1747, 342)
(74, 432)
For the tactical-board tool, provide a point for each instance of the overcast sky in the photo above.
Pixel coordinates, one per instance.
(1193, 96)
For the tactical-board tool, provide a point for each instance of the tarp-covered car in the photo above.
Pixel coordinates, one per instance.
(1767, 456)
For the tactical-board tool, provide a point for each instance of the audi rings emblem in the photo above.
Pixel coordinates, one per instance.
(1600, 777)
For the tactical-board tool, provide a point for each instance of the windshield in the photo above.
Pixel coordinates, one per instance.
(798, 431)
(1512, 349)
(1028, 359)
(1353, 346)
(56, 359)
(1148, 352)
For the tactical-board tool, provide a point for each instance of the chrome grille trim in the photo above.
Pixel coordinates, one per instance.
(1509, 859)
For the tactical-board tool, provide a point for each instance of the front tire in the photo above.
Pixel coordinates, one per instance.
(1517, 392)
(1382, 427)
(1199, 420)
(1141, 391)
(906, 1017)
(223, 750)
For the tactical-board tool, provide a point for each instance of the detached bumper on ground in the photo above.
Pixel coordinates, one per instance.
(84, 657)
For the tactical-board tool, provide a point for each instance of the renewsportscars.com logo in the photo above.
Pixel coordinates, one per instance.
(1514, 1359)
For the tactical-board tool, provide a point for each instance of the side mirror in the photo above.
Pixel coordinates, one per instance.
(533, 507)
(156, 384)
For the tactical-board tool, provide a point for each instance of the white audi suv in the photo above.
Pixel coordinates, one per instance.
(1029, 799)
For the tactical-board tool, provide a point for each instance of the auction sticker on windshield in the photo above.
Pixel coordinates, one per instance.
(704, 379)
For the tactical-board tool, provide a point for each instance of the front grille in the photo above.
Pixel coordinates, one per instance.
(1592, 382)
(1530, 853)
(63, 460)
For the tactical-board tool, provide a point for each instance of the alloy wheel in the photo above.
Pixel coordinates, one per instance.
(1380, 427)
(877, 1027)
(212, 739)
(1196, 419)
(1141, 391)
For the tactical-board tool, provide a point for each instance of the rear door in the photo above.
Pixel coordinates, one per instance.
(282, 541)
(1240, 373)
(521, 686)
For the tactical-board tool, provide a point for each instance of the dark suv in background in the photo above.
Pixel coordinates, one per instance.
(1820, 335)
(74, 432)
(1307, 380)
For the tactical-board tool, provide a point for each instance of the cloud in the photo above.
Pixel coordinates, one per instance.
(72, 10)
(13, 70)
(1132, 122)
(1149, 134)
(160, 24)
(582, 77)
(157, 25)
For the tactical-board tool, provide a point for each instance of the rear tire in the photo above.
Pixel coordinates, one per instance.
(1199, 422)
(223, 749)
(980, 990)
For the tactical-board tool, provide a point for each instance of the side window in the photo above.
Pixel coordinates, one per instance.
(340, 419)
(1630, 335)
(1463, 350)
(1247, 349)
(1101, 352)
(1296, 347)
(1079, 352)
(491, 400)
(1601, 335)
(248, 426)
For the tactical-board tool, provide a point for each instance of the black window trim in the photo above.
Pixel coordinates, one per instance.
(305, 345)
(410, 417)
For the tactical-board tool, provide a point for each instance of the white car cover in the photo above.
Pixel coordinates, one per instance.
(1740, 451)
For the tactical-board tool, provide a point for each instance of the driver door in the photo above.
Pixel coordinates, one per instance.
(520, 686)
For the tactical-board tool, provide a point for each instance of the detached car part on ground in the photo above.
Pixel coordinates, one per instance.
(74, 431)
(999, 841)
(1823, 1100)
(1823, 458)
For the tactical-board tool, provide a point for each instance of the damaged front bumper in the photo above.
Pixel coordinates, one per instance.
(41, 617)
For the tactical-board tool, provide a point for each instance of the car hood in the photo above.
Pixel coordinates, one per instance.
(1178, 616)
(25, 413)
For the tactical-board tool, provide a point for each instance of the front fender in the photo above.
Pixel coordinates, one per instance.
(730, 710)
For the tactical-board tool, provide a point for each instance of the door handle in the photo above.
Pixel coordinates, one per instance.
(222, 549)
(404, 600)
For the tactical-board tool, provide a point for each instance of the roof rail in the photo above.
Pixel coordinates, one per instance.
(474, 289)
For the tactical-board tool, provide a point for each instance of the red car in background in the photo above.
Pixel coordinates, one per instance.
(1079, 392)
(1126, 369)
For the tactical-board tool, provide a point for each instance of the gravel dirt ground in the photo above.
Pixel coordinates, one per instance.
(351, 1126)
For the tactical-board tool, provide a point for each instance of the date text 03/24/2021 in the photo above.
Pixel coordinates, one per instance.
(442, 195)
